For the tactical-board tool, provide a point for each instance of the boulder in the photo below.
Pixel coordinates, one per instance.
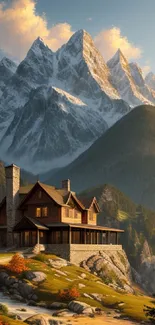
(3, 277)
(58, 263)
(35, 276)
(43, 320)
(83, 275)
(25, 290)
(81, 285)
(57, 305)
(80, 307)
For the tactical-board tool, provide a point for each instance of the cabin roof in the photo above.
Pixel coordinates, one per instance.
(88, 201)
(29, 223)
(85, 226)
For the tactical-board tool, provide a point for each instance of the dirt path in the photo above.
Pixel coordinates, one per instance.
(101, 320)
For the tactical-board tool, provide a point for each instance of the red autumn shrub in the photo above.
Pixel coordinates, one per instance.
(2, 322)
(68, 294)
(17, 264)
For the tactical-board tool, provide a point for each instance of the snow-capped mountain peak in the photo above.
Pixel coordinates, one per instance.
(126, 79)
(56, 104)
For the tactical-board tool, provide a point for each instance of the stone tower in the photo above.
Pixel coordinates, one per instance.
(12, 174)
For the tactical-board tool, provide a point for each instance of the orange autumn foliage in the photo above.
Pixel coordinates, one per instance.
(69, 294)
(17, 264)
(2, 322)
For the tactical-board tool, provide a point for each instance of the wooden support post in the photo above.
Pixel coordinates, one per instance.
(70, 234)
(38, 239)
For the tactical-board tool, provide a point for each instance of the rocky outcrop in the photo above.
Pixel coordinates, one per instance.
(113, 268)
(44, 320)
(17, 289)
(35, 276)
(81, 307)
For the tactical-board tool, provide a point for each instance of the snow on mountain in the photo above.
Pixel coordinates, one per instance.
(137, 75)
(51, 125)
(150, 80)
(123, 81)
(82, 67)
(7, 69)
(56, 104)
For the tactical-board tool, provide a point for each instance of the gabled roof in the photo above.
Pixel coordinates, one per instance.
(72, 195)
(89, 201)
(30, 223)
(59, 196)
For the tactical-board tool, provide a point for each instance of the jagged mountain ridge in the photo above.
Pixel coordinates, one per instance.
(77, 70)
(128, 80)
(71, 70)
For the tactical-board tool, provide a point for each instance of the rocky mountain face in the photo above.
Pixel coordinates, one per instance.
(150, 80)
(113, 268)
(124, 156)
(128, 80)
(67, 100)
(117, 210)
(7, 69)
(57, 104)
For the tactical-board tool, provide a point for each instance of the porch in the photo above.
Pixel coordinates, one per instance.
(32, 232)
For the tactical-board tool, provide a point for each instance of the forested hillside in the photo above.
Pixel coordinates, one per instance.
(119, 211)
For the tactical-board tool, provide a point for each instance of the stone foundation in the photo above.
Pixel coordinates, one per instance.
(78, 253)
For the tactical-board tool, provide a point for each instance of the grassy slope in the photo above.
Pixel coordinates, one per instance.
(48, 290)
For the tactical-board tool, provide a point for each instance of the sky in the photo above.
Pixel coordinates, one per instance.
(125, 24)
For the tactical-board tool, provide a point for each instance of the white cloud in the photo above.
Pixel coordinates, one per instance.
(89, 19)
(146, 69)
(110, 40)
(20, 25)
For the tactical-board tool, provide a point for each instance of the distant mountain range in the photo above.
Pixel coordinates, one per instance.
(53, 106)
(124, 156)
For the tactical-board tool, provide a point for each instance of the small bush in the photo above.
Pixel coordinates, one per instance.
(17, 264)
(41, 258)
(2, 322)
(68, 294)
(3, 309)
(150, 313)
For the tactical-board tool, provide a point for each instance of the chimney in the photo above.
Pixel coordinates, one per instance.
(12, 174)
(66, 185)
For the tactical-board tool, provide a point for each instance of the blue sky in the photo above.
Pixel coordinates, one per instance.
(135, 20)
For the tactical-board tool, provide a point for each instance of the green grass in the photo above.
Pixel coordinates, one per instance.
(48, 290)
(10, 321)
(2, 255)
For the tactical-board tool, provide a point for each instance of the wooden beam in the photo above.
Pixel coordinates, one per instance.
(38, 239)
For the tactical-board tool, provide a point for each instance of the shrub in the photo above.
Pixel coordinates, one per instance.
(3, 309)
(41, 258)
(17, 264)
(68, 294)
(2, 322)
(150, 313)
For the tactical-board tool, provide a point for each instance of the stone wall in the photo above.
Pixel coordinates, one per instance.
(78, 253)
(62, 250)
